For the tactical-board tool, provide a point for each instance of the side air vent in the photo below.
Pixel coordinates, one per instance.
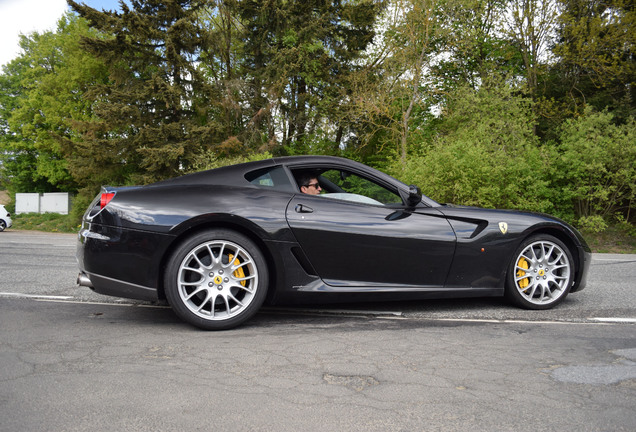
(303, 261)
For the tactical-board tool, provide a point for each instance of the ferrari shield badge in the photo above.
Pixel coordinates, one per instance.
(503, 227)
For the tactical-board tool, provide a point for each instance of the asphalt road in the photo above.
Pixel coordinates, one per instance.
(73, 360)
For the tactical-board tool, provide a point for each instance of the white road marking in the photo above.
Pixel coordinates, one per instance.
(34, 296)
(615, 320)
(21, 243)
(140, 305)
(614, 260)
(332, 312)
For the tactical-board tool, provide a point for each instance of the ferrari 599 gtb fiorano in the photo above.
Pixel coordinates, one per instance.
(219, 244)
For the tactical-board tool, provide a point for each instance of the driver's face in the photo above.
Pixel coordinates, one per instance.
(312, 188)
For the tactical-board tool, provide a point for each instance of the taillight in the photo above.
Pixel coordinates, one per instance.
(105, 199)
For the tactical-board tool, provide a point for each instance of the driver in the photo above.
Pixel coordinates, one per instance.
(309, 184)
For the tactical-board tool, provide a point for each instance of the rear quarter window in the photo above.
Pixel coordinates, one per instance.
(275, 178)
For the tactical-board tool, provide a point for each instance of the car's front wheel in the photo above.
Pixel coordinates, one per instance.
(216, 280)
(541, 273)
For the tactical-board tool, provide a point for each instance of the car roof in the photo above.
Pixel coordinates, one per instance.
(230, 175)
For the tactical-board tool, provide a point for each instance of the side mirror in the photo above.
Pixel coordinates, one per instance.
(415, 196)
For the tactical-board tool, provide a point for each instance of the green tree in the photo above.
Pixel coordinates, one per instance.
(18, 157)
(477, 45)
(299, 57)
(595, 61)
(530, 25)
(157, 112)
(223, 65)
(394, 91)
(41, 98)
(426, 51)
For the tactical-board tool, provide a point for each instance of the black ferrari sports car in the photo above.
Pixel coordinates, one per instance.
(218, 244)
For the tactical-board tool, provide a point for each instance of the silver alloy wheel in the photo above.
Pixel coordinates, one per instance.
(542, 272)
(217, 280)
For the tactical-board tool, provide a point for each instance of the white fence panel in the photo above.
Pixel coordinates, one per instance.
(27, 203)
(50, 202)
(55, 202)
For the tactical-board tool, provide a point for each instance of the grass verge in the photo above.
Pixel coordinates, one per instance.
(49, 222)
(612, 240)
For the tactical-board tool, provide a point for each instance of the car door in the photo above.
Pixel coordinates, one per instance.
(359, 244)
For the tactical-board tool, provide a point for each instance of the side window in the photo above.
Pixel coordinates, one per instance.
(340, 184)
(272, 177)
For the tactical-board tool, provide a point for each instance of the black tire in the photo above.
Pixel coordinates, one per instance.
(3, 225)
(541, 273)
(216, 280)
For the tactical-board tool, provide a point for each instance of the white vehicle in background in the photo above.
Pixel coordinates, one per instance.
(5, 218)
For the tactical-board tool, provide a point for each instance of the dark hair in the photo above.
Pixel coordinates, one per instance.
(305, 177)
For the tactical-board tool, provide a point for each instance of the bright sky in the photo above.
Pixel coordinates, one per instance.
(26, 16)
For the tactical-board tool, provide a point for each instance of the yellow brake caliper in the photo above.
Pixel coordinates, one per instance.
(524, 265)
(239, 273)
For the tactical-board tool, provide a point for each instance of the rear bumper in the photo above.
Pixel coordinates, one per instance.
(116, 288)
(120, 262)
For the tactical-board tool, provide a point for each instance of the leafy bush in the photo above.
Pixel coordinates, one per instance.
(598, 165)
(592, 224)
(624, 225)
(470, 172)
(487, 155)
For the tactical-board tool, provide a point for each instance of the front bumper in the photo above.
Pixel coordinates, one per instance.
(585, 261)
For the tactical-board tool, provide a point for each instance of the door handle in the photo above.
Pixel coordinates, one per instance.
(300, 208)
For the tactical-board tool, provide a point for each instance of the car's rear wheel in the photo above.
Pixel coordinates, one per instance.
(541, 273)
(3, 225)
(216, 280)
